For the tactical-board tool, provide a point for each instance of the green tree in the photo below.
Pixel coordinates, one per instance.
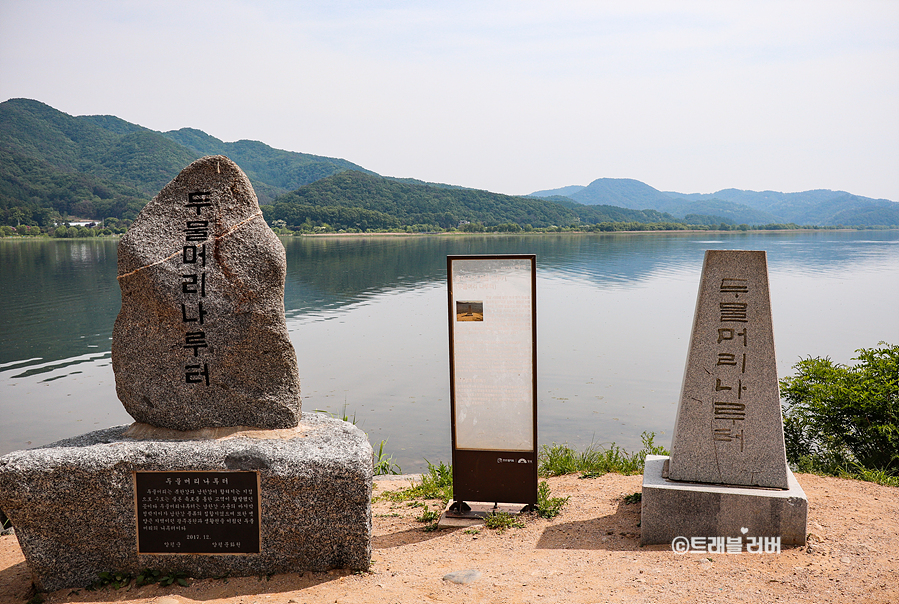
(18, 214)
(839, 417)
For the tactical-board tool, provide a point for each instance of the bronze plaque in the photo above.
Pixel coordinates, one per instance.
(197, 512)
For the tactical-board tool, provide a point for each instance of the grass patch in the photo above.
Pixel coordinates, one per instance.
(118, 580)
(548, 507)
(594, 461)
(428, 515)
(633, 498)
(500, 521)
(879, 476)
(853, 471)
(383, 464)
(437, 483)
(149, 577)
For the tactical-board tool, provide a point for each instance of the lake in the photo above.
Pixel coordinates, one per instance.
(367, 316)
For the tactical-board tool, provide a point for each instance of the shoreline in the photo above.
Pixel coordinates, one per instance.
(45, 237)
(602, 233)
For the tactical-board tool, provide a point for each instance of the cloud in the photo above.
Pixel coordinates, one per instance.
(511, 97)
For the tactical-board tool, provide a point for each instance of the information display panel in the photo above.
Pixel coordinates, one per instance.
(493, 361)
(194, 512)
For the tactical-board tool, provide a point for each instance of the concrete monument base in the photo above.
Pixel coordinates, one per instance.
(74, 507)
(684, 509)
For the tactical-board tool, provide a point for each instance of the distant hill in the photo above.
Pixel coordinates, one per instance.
(563, 192)
(53, 164)
(363, 201)
(818, 207)
(593, 214)
(623, 192)
(355, 200)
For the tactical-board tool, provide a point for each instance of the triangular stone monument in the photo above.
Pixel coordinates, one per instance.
(729, 427)
(727, 475)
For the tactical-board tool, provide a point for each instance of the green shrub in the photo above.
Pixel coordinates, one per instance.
(548, 507)
(428, 515)
(844, 420)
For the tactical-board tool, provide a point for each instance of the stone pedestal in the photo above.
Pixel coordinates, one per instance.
(74, 507)
(681, 509)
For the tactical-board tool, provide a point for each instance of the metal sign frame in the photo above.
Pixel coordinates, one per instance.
(492, 475)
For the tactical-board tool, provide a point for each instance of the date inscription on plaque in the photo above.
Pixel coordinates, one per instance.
(197, 512)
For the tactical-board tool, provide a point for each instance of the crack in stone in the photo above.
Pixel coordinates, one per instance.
(225, 234)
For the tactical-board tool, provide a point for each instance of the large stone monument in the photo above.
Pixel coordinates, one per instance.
(201, 339)
(727, 475)
(220, 475)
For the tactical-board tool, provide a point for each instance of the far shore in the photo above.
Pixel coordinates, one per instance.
(485, 234)
(535, 234)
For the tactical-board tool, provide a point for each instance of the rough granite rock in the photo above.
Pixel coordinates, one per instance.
(201, 339)
(729, 427)
(73, 502)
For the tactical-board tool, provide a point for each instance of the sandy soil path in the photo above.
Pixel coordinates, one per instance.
(590, 553)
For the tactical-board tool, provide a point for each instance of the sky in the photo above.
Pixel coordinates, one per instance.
(511, 97)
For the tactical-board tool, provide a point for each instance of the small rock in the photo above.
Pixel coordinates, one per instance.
(845, 560)
(463, 577)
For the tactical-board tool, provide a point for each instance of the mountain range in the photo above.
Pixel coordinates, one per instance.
(54, 165)
(818, 207)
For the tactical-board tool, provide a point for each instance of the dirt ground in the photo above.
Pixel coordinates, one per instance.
(590, 553)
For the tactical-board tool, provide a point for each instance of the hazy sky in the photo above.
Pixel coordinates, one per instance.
(506, 96)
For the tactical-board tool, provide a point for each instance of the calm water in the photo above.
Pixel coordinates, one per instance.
(367, 317)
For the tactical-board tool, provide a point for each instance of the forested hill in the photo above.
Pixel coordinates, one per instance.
(273, 172)
(54, 165)
(353, 200)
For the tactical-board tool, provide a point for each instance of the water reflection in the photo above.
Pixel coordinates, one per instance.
(367, 316)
